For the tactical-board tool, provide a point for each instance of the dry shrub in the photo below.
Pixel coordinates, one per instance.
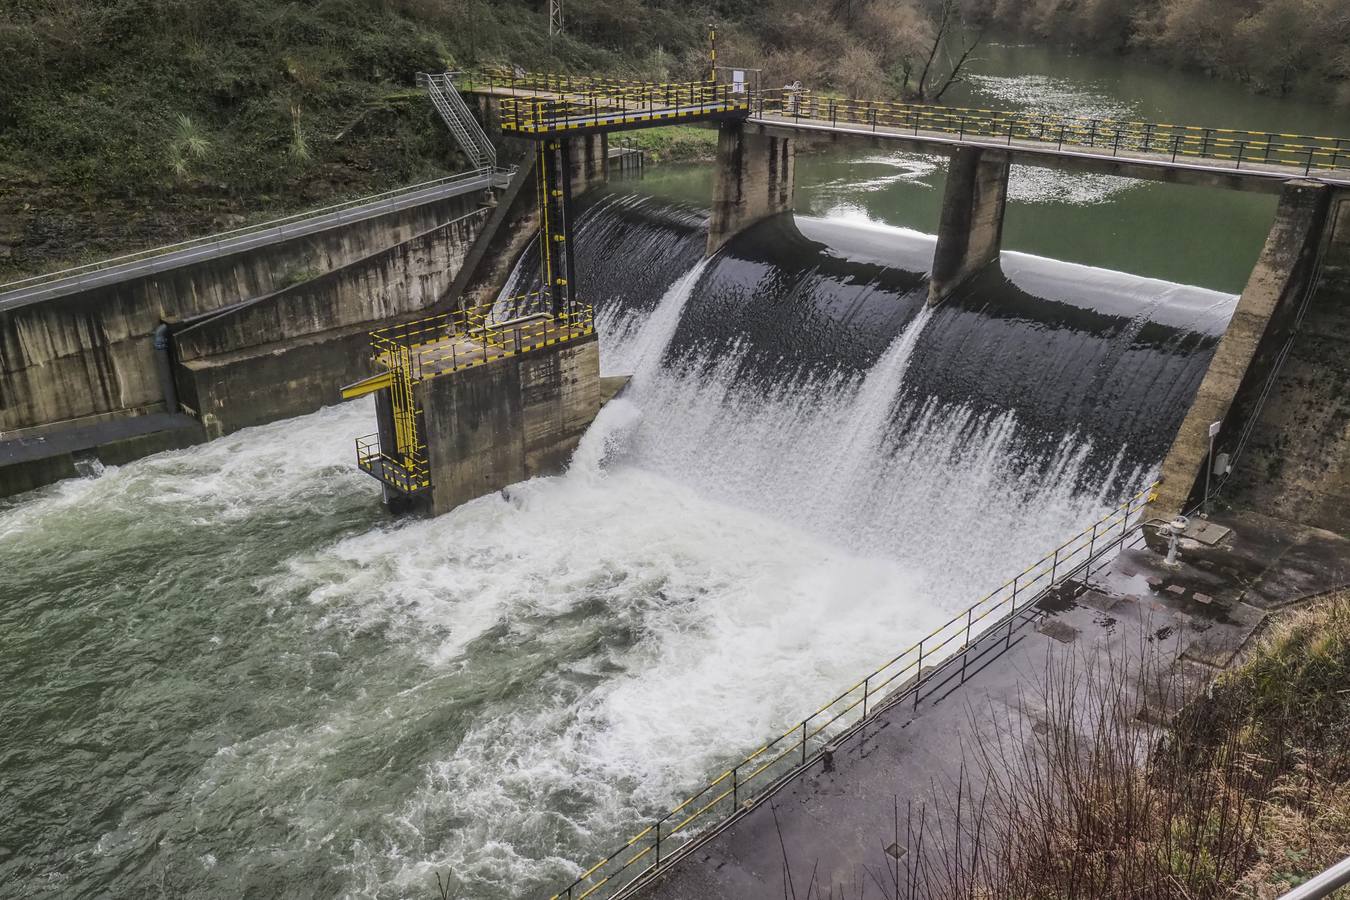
(1243, 792)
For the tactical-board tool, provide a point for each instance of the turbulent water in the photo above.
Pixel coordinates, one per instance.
(228, 672)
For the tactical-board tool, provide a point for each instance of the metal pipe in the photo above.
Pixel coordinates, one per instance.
(164, 366)
(1338, 876)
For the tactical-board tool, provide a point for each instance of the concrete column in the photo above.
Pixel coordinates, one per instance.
(1250, 349)
(590, 162)
(971, 231)
(514, 418)
(754, 181)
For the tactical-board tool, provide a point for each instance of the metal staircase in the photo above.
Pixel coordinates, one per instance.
(455, 112)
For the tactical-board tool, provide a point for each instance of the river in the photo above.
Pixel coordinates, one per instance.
(228, 672)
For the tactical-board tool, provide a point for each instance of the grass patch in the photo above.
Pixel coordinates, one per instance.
(673, 143)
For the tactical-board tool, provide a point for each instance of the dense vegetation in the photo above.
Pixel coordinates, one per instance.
(125, 122)
(1274, 46)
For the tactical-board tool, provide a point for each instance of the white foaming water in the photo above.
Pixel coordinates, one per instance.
(633, 343)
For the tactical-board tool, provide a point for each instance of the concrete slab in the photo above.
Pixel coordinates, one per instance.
(59, 441)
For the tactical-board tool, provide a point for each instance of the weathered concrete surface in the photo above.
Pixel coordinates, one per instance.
(755, 178)
(288, 353)
(1296, 463)
(515, 418)
(1188, 620)
(1250, 349)
(278, 380)
(91, 353)
(38, 460)
(970, 233)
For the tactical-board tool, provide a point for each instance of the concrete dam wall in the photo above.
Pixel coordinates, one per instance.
(258, 335)
(89, 355)
(1279, 383)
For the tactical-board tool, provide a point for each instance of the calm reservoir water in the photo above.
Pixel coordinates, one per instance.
(226, 672)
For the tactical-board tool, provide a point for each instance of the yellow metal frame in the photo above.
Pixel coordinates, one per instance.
(543, 104)
(417, 351)
(758, 774)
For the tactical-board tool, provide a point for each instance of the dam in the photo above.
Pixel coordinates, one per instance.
(515, 688)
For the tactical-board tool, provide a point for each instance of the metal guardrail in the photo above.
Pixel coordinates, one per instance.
(141, 262)
(457, 117)
(1306, 153)
(409, 475)
(1324, 885)
(942, 657)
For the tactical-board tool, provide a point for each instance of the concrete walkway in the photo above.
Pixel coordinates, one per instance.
(840, 823)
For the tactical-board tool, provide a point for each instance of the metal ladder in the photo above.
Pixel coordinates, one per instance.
(455, 113)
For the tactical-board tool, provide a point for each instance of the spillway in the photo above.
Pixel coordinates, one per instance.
(227, 669)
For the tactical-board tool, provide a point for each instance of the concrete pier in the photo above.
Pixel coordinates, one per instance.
(515, 418)
(971, 230)
(1271, 342)
(755, 175)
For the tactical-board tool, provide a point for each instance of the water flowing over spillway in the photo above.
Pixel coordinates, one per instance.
(228, 671)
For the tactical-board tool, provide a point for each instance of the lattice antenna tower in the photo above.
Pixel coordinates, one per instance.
(555, 17)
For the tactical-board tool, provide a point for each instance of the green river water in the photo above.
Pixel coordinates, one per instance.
(225, 672)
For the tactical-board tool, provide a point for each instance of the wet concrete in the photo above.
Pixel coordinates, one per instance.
(839, 826)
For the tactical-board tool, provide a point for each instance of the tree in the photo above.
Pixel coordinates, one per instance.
(929, 74)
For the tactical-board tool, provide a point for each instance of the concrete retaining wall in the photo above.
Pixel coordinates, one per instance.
(1249, 355)
(1296, 463)
(90, 353)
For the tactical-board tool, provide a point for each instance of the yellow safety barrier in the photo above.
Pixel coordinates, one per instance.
(1305, 152)
(541, 104)
(941, 658)
(414, 352)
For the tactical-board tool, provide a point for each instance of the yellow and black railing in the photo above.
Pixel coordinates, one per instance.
(1116, 137)
(412, 352)
(939, 662)
(619, 108)
(539, 105)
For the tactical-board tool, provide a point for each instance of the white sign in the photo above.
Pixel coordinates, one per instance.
(1214, 429)
(738, 81)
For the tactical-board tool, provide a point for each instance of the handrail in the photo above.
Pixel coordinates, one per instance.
(542, 103)
(456, 115)
(333, 212)
(1240, 147)
(935, 661)
(1324, 885)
